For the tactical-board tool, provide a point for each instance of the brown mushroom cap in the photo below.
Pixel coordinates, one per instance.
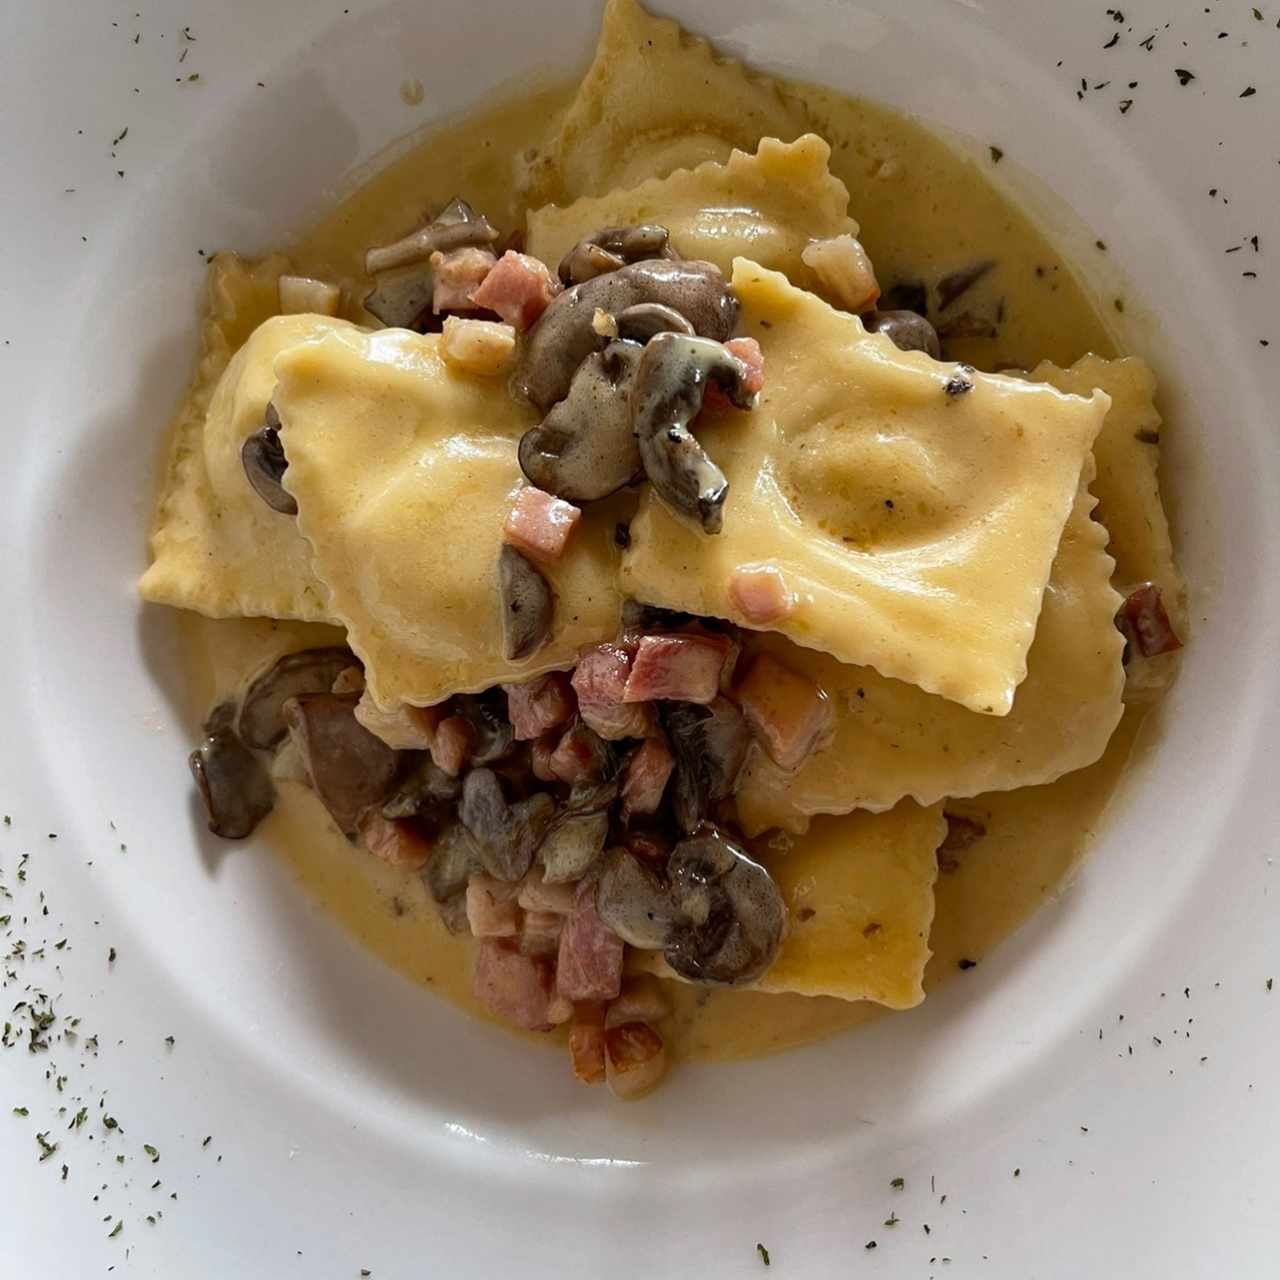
(506, 835)
(232, 781)
(613, 247)
(710, 745)
(401, 298)
(564, 335)
(666, 395)
(634, 901)
(350, 769)
(584, 448)
(263, 458)
(907, 330)
(261, 723)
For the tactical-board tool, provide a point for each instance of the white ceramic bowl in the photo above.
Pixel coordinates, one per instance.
(357, 1123)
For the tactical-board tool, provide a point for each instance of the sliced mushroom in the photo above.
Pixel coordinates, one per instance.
(906, 330)
(634, 901)
(592, 797)
(666, 394)
(612, 248)
(710, 745)
(572, 845)
(453, 860)
(957, 283)
(584, 448)
(402, 299)
(565, 334)
(730, 916)
(262, 456)
(456, 226)
(425, 790)
(350, 769)
(486, 713)
(646, 319)
(232, 781)
(261, 724)
(506, 835)
(527, 605)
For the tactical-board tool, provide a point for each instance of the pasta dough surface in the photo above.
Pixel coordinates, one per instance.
(892, 739)
(913, 508)
(404, 472)
(766, 207)
(216, 546)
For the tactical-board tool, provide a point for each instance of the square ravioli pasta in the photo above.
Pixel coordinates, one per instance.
(859, 895)
(891, 739)
(634, 115)
(216, 547)
(766, 207)
(912, 509)
(404, 472)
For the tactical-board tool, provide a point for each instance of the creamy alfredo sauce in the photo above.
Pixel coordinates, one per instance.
(923, 209)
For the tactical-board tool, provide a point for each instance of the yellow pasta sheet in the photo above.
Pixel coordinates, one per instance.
(216, 546)
(656, 99)
(859, 894)
(892, 739)
(913, 508)
(766, 207)
(404, 472)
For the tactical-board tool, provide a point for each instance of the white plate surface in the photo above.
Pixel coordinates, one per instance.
(355, 1122)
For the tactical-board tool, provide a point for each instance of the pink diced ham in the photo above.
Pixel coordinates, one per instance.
(398, 841)
(577, 754)
(519, 289)
(492, 911)
(646, 777)
(787, 713)
(456, 276)
(1144, 622)
(512, 986)
(544, 749)
(684, 668)
(540, 524)
(538, 706)
(454, 743)
(589, 966)
(540, 933)
(760, 593)
(600, 681)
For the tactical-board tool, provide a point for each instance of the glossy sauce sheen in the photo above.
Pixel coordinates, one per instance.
(925, 210)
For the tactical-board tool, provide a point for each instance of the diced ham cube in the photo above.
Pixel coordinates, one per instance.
(540, 705)
(586, 1042)
(646, 777)
(492, 911)
(536, 895)
(454, 742)
(635, 1059)
(481, 347)
(579, 755)
(541, 756)
(404, 728)
(540, 524)
(559, 1010)
(747, 350)
(519, 289)
(685, 668)
(1145, 624)
(397, 841)
(641, 999)
(760, 593)
(455, 277)
(589, 966)
(786, 712)
(512, 986)
(540, 933)
(600, 681)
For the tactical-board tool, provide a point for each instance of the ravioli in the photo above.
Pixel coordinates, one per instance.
(404, 472)
(766, 207)
(1128, 486)
(216, 546)
(859, 893)
(913, 508)
(656, 99)
(892, 740)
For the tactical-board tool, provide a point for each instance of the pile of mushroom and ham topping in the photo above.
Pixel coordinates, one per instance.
(557, 821)
(562, 820)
